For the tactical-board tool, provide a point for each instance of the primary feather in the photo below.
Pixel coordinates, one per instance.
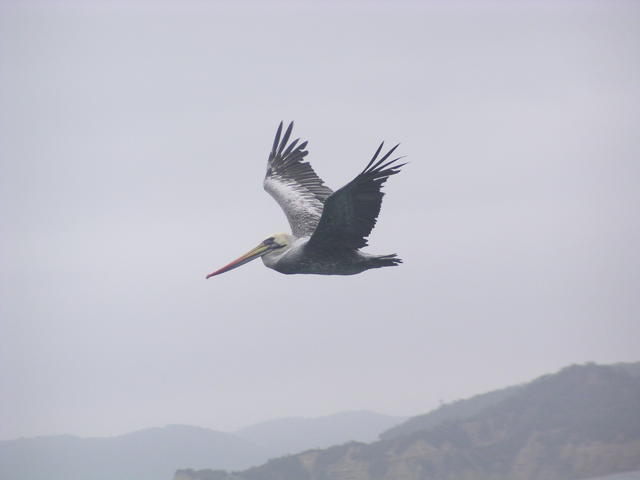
(350, 213)
(291, 181)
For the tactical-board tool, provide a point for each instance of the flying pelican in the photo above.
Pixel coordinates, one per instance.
(328, 228)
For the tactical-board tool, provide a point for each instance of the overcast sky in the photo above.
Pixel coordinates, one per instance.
(133, 142)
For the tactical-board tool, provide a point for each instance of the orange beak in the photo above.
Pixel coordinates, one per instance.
(246, 258)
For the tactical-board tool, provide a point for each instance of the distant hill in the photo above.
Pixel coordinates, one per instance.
(582, 422)
(152, 454)
(296, 434)
(156, 453)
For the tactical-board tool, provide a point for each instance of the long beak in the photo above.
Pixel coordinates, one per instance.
(247, 257)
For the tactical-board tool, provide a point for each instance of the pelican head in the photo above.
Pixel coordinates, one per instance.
(275, 245)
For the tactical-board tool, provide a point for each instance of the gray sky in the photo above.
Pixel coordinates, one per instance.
(133, 141)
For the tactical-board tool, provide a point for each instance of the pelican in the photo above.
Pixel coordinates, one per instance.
(327, 228)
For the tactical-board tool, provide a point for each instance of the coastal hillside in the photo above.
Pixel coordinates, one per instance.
(579, 423)
(458, 410)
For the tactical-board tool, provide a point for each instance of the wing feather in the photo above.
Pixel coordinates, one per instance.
(351, 212)
(292, 182)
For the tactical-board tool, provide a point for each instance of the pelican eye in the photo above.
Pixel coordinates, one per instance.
(271, 242)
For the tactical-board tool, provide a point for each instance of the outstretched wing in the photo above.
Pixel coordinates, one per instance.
(294, 185)
(350, 213)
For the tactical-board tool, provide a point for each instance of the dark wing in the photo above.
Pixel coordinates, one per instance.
(294, 185)
(350, 213)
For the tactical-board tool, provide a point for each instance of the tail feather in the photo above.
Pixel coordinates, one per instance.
(385, 261)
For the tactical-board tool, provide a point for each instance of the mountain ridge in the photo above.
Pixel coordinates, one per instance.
(295, 434)
(156, 452)
(144, 454)
(577, 423)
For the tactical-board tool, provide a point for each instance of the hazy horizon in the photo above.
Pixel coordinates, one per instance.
(237, 430)
(240, 428)
(133, 142)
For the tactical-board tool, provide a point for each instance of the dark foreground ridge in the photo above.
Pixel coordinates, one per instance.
(582, 422)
